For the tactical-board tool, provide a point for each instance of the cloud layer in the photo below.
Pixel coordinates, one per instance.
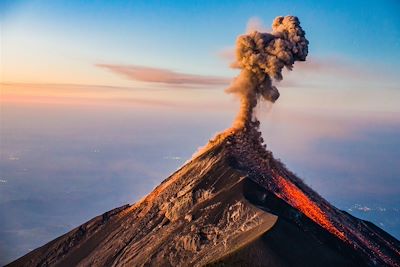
(163, 76)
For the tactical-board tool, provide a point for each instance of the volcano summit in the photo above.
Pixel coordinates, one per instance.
(232, 204)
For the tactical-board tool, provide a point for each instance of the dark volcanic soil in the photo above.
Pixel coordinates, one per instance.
(232, 205)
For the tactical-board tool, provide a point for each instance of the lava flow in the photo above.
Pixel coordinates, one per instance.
(296, 198)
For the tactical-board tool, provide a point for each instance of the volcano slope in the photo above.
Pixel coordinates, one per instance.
(232, 205)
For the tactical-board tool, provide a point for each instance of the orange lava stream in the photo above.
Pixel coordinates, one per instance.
(299, 200)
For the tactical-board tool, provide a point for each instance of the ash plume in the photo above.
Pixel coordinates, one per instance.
(261, 58)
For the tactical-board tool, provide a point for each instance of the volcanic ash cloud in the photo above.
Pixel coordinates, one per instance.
(261, 58)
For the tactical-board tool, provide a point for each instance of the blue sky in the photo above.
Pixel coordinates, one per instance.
(66, 101)
(187, 35)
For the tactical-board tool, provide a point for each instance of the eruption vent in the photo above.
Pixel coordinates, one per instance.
(261, 57)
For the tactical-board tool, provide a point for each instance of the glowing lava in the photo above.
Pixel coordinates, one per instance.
(297, 199)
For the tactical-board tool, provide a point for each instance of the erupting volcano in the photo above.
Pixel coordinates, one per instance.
(232, 204)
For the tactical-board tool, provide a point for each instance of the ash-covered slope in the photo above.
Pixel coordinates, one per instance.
(232, 205)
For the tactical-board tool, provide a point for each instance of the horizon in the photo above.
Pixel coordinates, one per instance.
(101, 101)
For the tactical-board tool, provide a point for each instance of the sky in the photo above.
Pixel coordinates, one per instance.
(102, 100)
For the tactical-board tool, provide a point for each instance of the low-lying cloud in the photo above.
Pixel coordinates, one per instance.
(164, 76)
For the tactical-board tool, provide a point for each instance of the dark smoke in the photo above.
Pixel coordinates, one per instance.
(261, 57)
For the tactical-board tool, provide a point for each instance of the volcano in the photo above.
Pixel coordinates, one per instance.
(232, 204)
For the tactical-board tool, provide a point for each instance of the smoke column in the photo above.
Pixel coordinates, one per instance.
(261, 58)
